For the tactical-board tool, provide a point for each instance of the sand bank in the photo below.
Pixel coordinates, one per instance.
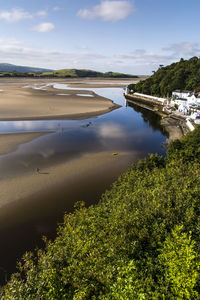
(9, 142)
(17, 103)
(70, 173)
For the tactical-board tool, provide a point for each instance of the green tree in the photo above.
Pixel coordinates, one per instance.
(180, 266)
(127, 285)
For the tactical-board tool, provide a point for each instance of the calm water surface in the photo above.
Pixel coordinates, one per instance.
(128, 129)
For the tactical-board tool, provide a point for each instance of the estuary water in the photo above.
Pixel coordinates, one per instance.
(129, 129)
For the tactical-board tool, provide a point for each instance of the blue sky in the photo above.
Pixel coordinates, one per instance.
(106, 35)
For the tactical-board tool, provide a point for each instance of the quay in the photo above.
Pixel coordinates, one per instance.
(155, 102)
(175, 124)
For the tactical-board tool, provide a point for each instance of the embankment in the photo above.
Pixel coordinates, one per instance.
(174, 125)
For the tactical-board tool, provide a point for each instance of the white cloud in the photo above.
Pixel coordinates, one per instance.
(42, 13)
(81, 47)
(108, 11)
(185, 48)
(15, 15)
(136, 62)
(14, 52)
(141, 56)
(56, 8)
(44, 27)
(9, 42)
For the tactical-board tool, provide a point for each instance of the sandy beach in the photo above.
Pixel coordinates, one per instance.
(19, 101)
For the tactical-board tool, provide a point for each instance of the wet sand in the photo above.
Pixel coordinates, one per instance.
(18, 103)
(67, 173)
(10, 142)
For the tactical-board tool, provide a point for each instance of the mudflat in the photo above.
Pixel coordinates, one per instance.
(69, 173)
(33, 99)
(9, 142)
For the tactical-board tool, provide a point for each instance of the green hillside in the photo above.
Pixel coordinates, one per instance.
(183, 75)
(65, 73)
(140, 242)
(76, 73)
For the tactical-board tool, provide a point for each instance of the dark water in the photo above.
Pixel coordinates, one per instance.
(129, 129)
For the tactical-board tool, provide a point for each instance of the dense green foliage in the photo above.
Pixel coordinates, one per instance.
(140, 242)
(183, 75)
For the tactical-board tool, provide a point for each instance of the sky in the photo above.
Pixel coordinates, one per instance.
(129, 36)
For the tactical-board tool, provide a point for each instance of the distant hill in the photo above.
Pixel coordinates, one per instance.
(182, 75)
(21, 69)
(9, 70)
(77, 73)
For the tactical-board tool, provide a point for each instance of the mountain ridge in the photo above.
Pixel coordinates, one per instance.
(7, 67)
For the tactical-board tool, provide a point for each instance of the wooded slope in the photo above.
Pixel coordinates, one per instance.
(183, 75)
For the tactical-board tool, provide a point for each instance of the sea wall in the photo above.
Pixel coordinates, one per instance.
(146, 99)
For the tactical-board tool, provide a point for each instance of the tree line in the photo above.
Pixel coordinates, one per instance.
(183, 75)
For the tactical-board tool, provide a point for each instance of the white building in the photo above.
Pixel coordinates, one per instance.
(185, 98)
(192, 99)
(181, 94)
